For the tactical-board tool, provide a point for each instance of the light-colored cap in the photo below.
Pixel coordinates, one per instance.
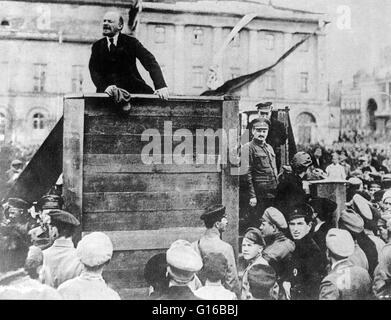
(352, 221)
(363, 207)
(340, 242)
(274, 216)
(386, 195)
(95, 249)
(182, 256)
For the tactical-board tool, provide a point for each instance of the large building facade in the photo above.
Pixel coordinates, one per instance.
(45, 48)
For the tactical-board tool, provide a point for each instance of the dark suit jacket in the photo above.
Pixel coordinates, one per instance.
(119, 67)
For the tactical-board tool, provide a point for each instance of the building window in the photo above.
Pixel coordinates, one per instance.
(3, 126)
(269, 39)
(198, 36)
(236, 40)
(38, 121)
(270, 81)
(77, 78)
(39, 77)
(160, 34)
(198, 77)
(304, 82)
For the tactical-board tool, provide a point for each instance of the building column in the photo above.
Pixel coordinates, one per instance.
(179, 59)
(285, 68)
(253, 65)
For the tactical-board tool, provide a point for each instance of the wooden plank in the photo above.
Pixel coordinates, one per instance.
(159, 182)
(141, 220)
(152, 239)
(230, 181)
(73, 159)
(114, 124)
(142, 201)
(156, 108)
(122, 144)
(132, 163)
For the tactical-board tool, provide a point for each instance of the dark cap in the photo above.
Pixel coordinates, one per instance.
(386, 184)
(18, 203)
(303, 210)
(63, 216)
(156, 269)
(264, 105)
(50, 201)
(261, 123)
(214, 213)
(323, 207)
(255, 235)
(378, 195)
(261, 279)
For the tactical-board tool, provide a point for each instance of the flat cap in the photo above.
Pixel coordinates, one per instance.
(261, 123)
(302, 210)
(63, 216)
(261, 279)
(16, 162)
(324, 207)
(255, 235)
(183, 257)
(215, 212)
(50, 201)
(274, 216)
(363, 194)
(95, 249)
(362, 206)
(386, 195)
(18, 203)
(351, 221)
(156, 268)
(355, 181)
(386, 184)
(340, 242)
(264, 105)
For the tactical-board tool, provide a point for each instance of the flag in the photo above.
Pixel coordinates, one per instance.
(133, 16)
(238, 82)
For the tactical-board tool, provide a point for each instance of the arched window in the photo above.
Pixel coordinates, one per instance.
(306, 124)
(38, 121)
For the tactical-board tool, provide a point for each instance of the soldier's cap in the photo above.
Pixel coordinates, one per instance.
(386, 184)
(255, 235)
(264, 105)
(386, 195)
(63, 216)
(362, 206)
(387, 176)
(261, 279)
(340, 242)
(351, 221)
(214, 213)
(374, 185)
(378, 195)
(50, 201)
(156, 268)
(302, 210)
(324, 207)
(355, 181)
(182, 257)
(94, 249)
(16, 163)
(363, 194)
(274, 216)
(19, 203)
(261, 123)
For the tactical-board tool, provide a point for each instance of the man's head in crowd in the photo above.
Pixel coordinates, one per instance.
(382, 230)
(63, 224)
(323, 208)
(252, 244)
(300, 221)
(386, 201)
(260, 129)
(340, 244)
(155, 273)
(262, 282)
(265, 110)
(335, 158)
(17, 165)
(112, 24)
(16, 210)
(301, 162)
(272, 222)
(14, 246)
(318, 152)
(215, 267)
(215, 217)
(374, 187)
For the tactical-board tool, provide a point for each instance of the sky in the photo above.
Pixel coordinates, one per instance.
(357, 47)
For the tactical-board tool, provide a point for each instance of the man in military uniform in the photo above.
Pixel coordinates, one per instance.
(215, 220)
(345, 281)
(279, 249)
(277, 133)
(262, 170)
(16, 211)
